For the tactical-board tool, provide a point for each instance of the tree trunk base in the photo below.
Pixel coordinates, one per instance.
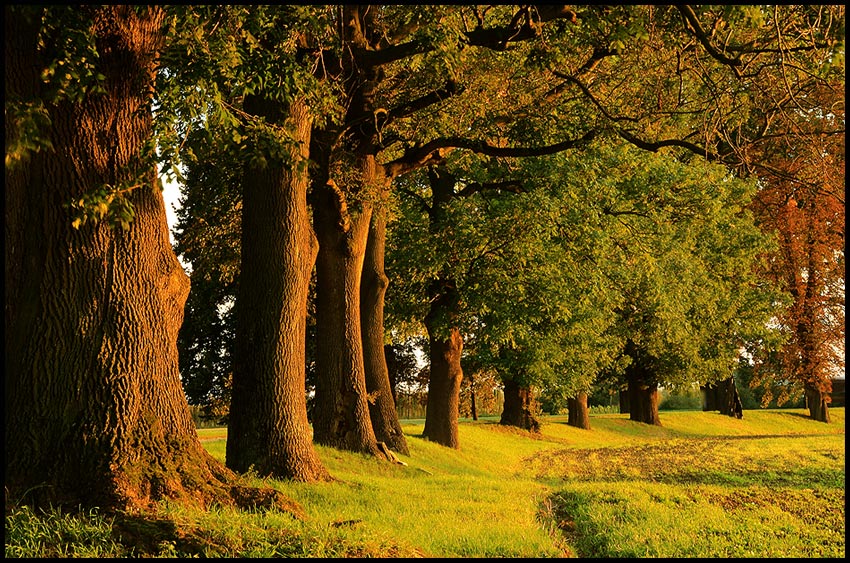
(643, 402)
(578, 413)
(188, 475)
(817, 402)
(519, 408)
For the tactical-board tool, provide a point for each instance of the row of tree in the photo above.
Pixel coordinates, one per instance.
(562, 252)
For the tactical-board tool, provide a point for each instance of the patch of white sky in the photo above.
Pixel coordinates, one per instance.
(171, 194)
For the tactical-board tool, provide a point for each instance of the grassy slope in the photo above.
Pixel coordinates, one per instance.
(701, 485)
(705, 485)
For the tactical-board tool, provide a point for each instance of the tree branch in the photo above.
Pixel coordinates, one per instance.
(512, 186)
(417, 154)
(691, 19)
(656, 145)
(497, 38)
(449, 90)
(376, 58)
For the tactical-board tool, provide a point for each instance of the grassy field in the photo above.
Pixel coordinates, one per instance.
(702, 485)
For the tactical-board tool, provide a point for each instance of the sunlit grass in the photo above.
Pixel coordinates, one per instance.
(445, 502)
(86, 534)
(701, 485)
(771, 485)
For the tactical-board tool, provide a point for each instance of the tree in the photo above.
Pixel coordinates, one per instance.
(268, 426)
(382, 408)
(688, 250)
(504, 258)
(674, 62)
(678, 69)
(350, 179)
(95, 415)
(260, 130)
(441, 286)
(802, 201)
(723, 396)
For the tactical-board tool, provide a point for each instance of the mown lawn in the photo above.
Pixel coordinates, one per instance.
(702, 485)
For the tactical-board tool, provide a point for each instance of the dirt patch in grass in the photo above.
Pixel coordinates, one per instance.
(753, 484)
(680, 461)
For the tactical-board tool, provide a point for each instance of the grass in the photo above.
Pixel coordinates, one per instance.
(702, 485)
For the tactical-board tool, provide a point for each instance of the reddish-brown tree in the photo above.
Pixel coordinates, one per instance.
(802, 201)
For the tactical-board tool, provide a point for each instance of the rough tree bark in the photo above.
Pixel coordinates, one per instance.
(382, 411)
(268, 428)
(95, 413)
(519, 407)
(444, 351)
(578, 414)
(341, 416)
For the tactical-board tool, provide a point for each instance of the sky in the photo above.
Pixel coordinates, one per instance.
(171, 194)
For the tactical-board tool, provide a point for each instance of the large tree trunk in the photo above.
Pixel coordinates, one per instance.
(729, 402)
(643, 400)
(519, 407)
(445, 343)
(817, 402)
(382, 411)
(623, 396)
(268, 428)
(95, 413)
(578, 414)
(341, 414)
(642, 386)
(818, 385)
(442, 409)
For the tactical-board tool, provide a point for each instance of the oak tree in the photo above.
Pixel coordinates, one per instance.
(95, 414)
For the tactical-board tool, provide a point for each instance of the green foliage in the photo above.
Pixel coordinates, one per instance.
(109, 203)
(27, 121)
(683, 255)
(781, 393)
(664, 248)
(219, 56)
(529, 305)
(688, 399)
(207, 238)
